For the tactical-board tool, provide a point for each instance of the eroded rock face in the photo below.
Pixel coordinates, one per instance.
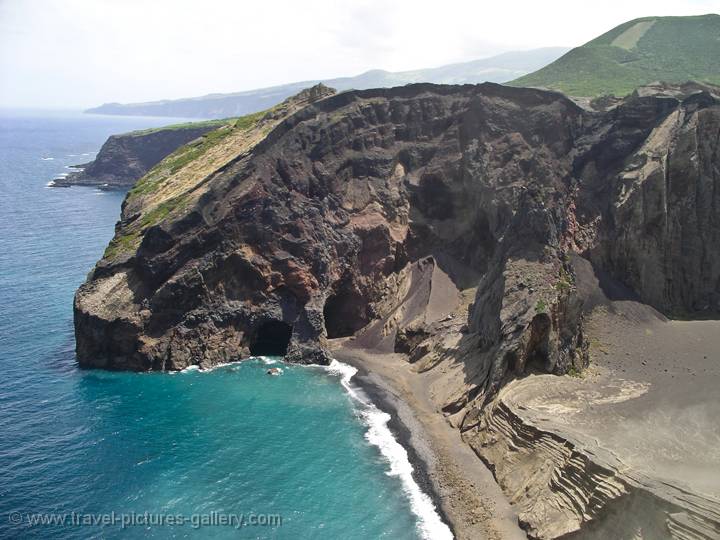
(321, 226)
(666, 233)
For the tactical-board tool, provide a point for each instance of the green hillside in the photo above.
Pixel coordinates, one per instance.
(669, 49)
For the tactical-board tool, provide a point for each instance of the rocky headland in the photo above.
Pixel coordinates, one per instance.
(486, 236)
(125, 158)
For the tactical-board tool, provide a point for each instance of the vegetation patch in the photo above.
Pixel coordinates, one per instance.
(181, 126)
(630, 37)
(565, 282)
(122, 243)
(190, 152)
(129, 239)
(574, 372)
(639, 52)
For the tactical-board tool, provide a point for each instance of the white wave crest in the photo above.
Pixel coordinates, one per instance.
(235, 364)
(378, 434)
(189, 369)
(47, 158)
(223, 365)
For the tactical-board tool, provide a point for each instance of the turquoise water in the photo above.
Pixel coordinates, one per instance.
(229, 444)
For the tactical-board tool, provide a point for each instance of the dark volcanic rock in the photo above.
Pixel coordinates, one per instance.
(123, 159)
(665, 238)
(318, 230)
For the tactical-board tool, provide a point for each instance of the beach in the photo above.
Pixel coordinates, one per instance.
(463, 488)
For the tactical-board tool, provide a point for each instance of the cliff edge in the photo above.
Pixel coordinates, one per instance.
(308, 220)
(451, 224)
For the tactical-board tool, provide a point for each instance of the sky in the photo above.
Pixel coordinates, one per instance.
(81, 53)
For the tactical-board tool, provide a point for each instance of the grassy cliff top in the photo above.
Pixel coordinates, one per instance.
(202, 124)
(165, 188)
(175, 184)
(638, 52)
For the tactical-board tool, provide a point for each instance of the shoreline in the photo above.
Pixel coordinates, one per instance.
(470, 504)
(385, 401)
(379, 397)
(460, 485)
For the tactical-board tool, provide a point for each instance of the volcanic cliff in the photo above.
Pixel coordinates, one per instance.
(312, 224)
(447, 223)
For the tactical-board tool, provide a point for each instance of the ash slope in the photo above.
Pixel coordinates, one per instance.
(328, 209)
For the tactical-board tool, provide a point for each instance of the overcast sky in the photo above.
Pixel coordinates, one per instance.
(79, 53)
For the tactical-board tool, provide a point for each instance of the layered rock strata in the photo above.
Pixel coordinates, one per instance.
(437, 221)
(314, 222)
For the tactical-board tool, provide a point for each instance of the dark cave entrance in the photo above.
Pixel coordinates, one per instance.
(272, 339)
(536, 351)
(534, 356)
(344, 313)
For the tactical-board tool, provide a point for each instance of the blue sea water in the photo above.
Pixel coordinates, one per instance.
(202, 448)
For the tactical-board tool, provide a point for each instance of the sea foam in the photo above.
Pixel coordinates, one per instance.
(378, 434)
(190, 369)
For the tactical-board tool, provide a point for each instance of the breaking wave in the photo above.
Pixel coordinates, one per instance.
(378, 434)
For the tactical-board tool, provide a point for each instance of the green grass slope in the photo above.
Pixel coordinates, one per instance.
(638, 52)
(184, 125)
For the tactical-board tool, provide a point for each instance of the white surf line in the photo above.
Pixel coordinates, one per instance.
(190, 369)
(430, 524)
(194, 368)
(268, 361)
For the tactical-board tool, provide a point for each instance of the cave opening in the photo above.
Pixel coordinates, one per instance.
(344, 313)
(536, 353)
(272, 339)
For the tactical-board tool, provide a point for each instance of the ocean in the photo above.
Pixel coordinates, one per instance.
(230, 452)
